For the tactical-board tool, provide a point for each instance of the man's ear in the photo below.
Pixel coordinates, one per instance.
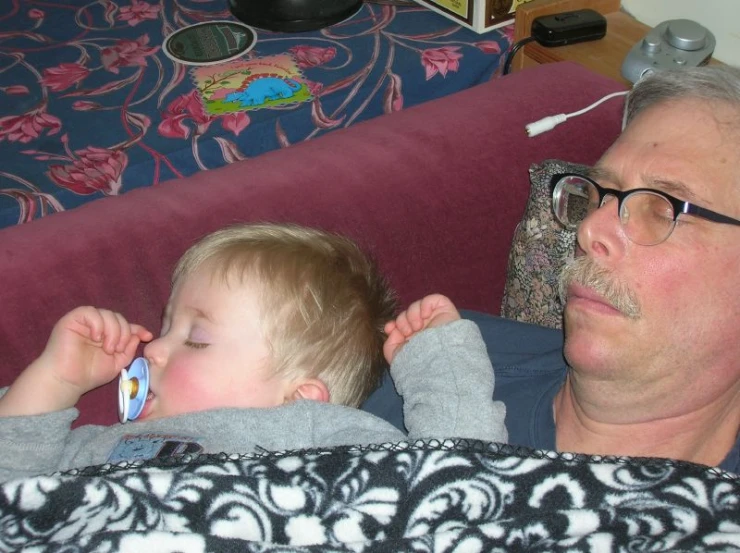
(310, 388)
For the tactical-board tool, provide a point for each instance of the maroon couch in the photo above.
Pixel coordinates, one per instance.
(434, 191)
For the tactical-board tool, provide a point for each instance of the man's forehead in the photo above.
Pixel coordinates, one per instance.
(679, 147)
(709, 128)
(686, 113)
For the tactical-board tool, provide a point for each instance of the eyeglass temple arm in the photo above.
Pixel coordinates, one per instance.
(708, 214)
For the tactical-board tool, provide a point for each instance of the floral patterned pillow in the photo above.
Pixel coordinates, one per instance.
(539, 250)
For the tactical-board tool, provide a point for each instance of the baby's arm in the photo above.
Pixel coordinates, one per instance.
(87, 348)
(440, 366)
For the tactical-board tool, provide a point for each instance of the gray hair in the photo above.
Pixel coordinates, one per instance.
(719, 83)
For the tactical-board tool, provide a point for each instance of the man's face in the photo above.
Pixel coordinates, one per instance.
(682, 347)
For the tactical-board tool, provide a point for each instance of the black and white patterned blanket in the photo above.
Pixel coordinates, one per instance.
(433, 496)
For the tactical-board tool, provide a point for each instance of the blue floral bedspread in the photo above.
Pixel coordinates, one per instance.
(91, 106)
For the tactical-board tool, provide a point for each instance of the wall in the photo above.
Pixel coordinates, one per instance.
(722, 17)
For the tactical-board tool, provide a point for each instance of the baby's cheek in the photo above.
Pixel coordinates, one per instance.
(184, 391)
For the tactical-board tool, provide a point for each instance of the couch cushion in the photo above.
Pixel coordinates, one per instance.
(540, 249)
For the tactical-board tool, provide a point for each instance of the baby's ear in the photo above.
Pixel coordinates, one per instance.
(311, 388)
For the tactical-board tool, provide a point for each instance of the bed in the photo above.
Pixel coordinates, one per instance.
(92, 107)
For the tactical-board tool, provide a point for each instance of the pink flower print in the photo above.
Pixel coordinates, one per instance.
(508, 31)
(314, 88)
(85, 105)
(93, 170)
(182, 108)
(235, 122)
(30, 125)
(35, 13)
(311, 56)
(15, 89)
(440, 60)
(488, 47)
(63, 76)
(393, 97)
(127, 53)
(138, 12)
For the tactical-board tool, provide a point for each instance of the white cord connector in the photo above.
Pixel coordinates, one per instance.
(549, 123)
(544, 125)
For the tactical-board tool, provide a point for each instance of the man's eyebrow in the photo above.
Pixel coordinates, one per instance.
(601, 173)
(672, 187)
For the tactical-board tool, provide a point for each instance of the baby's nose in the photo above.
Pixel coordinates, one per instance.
(155, 353)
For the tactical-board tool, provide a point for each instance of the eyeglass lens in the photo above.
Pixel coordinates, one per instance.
(647, 217)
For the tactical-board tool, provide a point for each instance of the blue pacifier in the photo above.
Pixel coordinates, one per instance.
(133, 387)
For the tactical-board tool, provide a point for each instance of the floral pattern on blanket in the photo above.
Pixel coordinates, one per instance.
(91, 106)
(427, 496)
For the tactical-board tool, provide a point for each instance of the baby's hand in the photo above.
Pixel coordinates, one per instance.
(87, 348)
(428, 312)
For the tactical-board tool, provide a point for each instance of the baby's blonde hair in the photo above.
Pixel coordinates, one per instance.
(323, 302)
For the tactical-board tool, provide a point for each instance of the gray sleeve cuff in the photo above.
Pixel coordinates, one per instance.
(446, 379)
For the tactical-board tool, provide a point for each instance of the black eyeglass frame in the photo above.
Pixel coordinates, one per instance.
(679, 206)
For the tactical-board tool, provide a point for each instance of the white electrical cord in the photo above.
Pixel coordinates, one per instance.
(548, 123)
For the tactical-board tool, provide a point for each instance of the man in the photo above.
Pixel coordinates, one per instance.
(652, 301)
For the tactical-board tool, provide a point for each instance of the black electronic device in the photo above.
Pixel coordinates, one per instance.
(292, 16)
(571, 27)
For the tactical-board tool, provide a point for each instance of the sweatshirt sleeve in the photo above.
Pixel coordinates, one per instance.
(446, 380)
(33, 445)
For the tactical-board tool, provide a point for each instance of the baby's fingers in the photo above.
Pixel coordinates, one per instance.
(392, 344)
(414, 317)
(129, 350)
(115, 332)
(130, 333)
(134, 335)
(389, 327)
(142, 333)
(403, 324)
(85, 321)
(433, 303)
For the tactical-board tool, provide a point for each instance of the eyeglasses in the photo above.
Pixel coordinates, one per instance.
(648, 216)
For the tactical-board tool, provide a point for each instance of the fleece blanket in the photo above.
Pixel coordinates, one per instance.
(427, 496)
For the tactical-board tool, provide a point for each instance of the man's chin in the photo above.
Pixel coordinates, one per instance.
(590, 346)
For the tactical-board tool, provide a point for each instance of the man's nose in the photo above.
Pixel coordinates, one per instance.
(601, 233)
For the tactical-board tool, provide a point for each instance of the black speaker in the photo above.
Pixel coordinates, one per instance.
(292, 16)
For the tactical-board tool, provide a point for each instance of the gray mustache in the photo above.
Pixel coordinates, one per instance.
(585, 271)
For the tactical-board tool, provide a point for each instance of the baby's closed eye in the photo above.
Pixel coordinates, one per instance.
(195, 345)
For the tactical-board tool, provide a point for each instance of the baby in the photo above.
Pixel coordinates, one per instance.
(273, 335)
